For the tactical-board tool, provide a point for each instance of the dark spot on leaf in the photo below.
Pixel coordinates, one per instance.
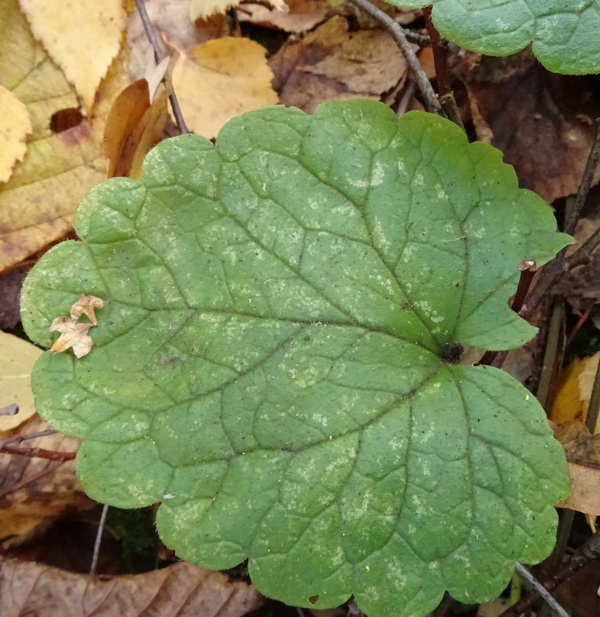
(306, 339)
(65, 119)
(452, 353)
(313, 599)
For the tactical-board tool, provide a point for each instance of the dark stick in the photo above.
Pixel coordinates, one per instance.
(49, 455)
(399, 35)
(158, 56)
(439, 47)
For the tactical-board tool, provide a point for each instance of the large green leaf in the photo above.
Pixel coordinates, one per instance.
(273, 360)
(564, 33)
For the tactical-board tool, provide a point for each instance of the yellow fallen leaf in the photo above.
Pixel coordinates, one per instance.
(221, 79)
(575, 390)
(37, 203)
(17, 358)
(200, 9)
(82, 36)
(15, 125)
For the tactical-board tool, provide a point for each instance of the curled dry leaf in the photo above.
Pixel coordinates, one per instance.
(66, 27)
(583, 456)
(72, 335)
(15, 125)
(134, 125)
(17, 358)
(181, 589)
(219, 80)
(85, 306)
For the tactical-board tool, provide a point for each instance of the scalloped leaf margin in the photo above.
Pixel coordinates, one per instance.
(272, 361)
(564, 33)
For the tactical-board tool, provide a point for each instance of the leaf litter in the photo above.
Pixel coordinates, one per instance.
(486, 117)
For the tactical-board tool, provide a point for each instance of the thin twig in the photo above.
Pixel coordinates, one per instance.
(98, 542)
(158, 56)
(21, 438)
(586, 183)
(398, 33)
(544, 593)
(439, 47)
(587, 552)
(49, 455)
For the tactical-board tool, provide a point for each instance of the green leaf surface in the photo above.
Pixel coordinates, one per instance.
(272, 360)
(564, 33)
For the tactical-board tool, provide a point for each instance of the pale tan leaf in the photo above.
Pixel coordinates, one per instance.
(199, 9)
(298, 16)
(73, 335)
(17, 358)
(83, 37)
(583, 456)
(219, 80)
(182, 589)
(15, 125)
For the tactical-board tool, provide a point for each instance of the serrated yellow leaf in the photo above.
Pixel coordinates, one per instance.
(15, 125)
(219, 80)
(17, 358)
(37, 202)
(82, 36)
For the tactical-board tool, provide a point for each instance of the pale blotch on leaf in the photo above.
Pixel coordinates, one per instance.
(85, 306)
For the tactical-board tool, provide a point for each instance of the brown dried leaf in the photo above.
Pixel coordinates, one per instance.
(181, 589)
(73, 335)
(10, 292)
(583, 456)
(332, 63)
(581, 284)
(545, 130)
(133, 127)
(34, 492)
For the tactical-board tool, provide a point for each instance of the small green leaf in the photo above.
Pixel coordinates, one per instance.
(564, 33)
(272, 358)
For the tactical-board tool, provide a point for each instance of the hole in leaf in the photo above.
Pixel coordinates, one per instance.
(65, 119)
